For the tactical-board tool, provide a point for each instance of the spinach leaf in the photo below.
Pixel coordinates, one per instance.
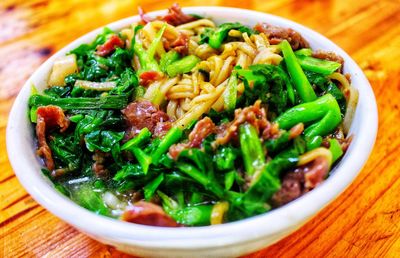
(102, 140)
(216, 37)
(324, 85)
(270, 84)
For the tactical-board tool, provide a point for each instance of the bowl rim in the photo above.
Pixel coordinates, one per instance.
(285, 219)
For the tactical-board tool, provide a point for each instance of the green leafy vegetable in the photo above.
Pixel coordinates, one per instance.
(323, 113)
(216, 37)
(182, 66)
(300, 81)
(103, 102)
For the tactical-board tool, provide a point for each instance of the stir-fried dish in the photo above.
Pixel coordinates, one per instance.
(178, 121)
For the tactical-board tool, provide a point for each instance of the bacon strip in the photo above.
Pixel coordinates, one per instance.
(110, 45)
(146, 213)
(48, 117)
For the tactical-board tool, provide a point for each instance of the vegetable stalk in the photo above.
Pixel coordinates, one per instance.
(173, 135)
(301, 83)
(146, 57)
(324, 113)
(250, 144)
(182, 66)
(103, 102)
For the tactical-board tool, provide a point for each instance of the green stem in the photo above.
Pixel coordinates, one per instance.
(136, 141)
(324, 113)
(301, 83)
(173, 135)
(182, 66)
(103, 102)
(252, 151)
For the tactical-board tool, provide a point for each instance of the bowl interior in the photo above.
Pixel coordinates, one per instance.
(21, 152)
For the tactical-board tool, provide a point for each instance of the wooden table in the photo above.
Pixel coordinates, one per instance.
(364, 221)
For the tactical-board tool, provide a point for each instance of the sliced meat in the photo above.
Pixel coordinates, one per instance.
(110, 45)
(99, 159)
(141, 114)
(48, 117)
(176, 149)
(175, 16)
(291, 189)
(180, 44)
(271, 131)
(315, 173)
(144, 19)
(254, 115)
(146, 213)
(328, 55)
(146, 78)
(277, 34)
(162, 128)
(302, 180)
(201, 130)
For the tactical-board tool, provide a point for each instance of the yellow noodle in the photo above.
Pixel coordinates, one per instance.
(179, 95)
(207, 87)
(225, 71)
(248, 40)
(180, 88)
(235, 33)
(197, 23)
(341, 79)
(313, 154)
(171, 109)
(196, 111)
(185, 104)
(167, 84)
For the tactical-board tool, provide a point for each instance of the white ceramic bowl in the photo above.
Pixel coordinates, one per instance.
(232, 239)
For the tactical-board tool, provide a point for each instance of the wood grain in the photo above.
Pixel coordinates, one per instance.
(363, 222)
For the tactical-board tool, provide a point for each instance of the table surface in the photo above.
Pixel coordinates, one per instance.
(364, 221)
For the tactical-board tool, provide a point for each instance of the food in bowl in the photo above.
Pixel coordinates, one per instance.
(177, 121)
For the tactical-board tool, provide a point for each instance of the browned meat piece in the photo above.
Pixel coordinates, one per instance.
(109, 46)
(48, 117)
(148, 77)
(175, 16)
(315, 173)
(180, 44)
(303, 179)
(202, 129)
(141, 114)
(291, 189)
(276, 34)
(254, 115)
(271, 131)
(162, 128)
(176, 149)
(144, 19)
(146, 213)
(99, 159)
(330, 56)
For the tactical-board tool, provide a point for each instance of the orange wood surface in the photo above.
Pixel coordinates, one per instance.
(363, 222)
